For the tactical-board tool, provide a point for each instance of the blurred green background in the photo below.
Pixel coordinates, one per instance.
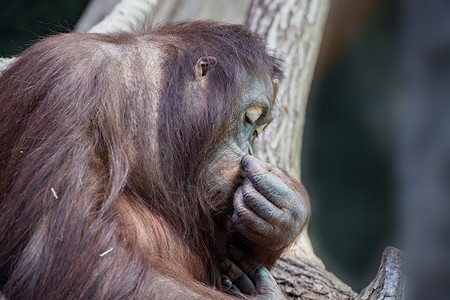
(348, 151)
(25, 21)
(348, 148)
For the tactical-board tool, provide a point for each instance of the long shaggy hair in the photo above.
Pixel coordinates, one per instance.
(103, 144)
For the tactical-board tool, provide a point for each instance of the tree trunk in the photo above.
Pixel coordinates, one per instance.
(95, 12)
(4, 62)
(229, 11)
(126, 15)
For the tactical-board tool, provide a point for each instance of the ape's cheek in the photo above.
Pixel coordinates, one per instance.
(224, 179)
(224, 168)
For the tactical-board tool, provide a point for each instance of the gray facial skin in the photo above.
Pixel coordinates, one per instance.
(254, 112)
(224, 163)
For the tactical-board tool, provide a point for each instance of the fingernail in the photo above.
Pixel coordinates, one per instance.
(226, 281)
(245, 162)
(258, 271)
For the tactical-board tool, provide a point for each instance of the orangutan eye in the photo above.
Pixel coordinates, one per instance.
(252, 114)
(259, 129)
(247, 120)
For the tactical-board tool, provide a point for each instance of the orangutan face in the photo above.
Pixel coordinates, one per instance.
(253, 114)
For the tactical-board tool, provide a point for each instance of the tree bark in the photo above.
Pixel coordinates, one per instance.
(229, 11)
(4, 62)
(95, 12)
(126, 15)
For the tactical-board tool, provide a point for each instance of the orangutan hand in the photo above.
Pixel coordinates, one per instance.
(270, 207)
(243, 275)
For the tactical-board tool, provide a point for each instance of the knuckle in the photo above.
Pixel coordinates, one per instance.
(251, 198)
(300, 212)
(297, 212)
(292, 194)
(292, 198)
(240, 211)
(248, 191)
(285, 223)
(260, 273)
(259, 177)
(275, 219)
(249, 202)
(249, 235)
(267, 230)
(281, 190)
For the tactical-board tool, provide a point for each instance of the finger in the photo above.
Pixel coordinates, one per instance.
(256, 237)
(259, 204)
(290, 181)
(283, 175)
(237, 277)
(243, 215)
(268, 184)
(229, 269)
(264, 281)
(227, 284)
(235, 289)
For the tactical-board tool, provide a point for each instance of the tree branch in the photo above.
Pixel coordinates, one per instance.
(388, 284)
(94, 13)
(126, 15)
(300, 280)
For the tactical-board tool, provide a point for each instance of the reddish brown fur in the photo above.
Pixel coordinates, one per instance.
(68, 122)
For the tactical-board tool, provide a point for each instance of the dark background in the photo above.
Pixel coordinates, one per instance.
(25, 21)
(348, 151)
(347, 159)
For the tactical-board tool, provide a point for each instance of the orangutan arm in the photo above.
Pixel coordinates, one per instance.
(172, 274)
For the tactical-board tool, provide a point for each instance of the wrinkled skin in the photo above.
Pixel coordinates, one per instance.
(244, 275)
(268, 208)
